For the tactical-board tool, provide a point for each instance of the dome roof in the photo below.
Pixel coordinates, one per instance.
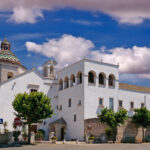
(6, 54)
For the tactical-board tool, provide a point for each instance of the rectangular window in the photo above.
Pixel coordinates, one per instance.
(111, 103)
(60, 107)
(120, 103)
(33, 90)
(132, 105)
(75, 118)
(69, 103)
(101, 101)
(142, 104)
(79, 102)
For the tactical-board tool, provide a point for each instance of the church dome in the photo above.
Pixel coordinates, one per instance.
(6, 54)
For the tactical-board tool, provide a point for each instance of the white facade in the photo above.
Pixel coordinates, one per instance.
(84, 96)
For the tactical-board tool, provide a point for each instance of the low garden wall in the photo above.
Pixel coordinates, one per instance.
(6, 138)
(125, 133)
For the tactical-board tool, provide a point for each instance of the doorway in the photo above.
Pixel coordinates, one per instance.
(62, 133)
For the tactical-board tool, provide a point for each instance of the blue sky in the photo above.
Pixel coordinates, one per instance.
(98, 31)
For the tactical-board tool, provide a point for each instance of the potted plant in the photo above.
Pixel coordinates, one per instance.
(25, 136)
(109, 133)
(91, 139)
(39, 136)
(54, 139)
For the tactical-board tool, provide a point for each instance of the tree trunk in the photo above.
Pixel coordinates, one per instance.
(114, 134)
(29, 132)
(143, 134)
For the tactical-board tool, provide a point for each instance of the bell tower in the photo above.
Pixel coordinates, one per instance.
(5, 45)
(49, 69)
(10, 65)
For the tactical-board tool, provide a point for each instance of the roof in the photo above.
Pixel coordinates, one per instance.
(7, 55)
(130, 87)
(59, 121)
(28, 71)
(89, 60)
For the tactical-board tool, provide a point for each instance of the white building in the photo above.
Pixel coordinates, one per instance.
(78, 92)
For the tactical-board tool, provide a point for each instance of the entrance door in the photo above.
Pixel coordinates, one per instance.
(62, 133)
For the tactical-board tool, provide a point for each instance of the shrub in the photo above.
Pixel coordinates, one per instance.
(15, 135)
(109, 133)
(25, 135)
(91, 137)
(39, 135)
(6, 130)
(54, 138)
(43, 132)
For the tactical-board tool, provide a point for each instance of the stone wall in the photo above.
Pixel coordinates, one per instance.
(128, 130)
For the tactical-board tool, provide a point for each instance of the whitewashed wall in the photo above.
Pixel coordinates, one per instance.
(88, 94)
(75, 130)
(10, 88)
(133, 96)
(92, 92)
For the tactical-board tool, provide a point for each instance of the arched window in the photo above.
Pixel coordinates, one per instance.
(79, 77)
(9, 75)
(72, 80)
(60, 84)
(66, 82)
(102, 78)
(91, 77)
(111, 80)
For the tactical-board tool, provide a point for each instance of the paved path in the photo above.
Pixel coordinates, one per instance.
(82, 147)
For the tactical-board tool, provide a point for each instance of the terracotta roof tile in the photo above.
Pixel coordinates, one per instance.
(134, 88)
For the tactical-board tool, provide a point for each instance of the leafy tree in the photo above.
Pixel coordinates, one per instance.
(32, 108)
(142, 119)
(113, 119)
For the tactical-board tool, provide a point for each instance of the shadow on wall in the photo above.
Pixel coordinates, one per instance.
(128, 133)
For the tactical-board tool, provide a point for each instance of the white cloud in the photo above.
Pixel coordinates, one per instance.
(86, 22)
(65, 50)
(132, 60)
(23, 15)
(124, 11)
(68, 49)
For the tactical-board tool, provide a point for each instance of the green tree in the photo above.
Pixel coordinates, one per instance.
(32, 108)
(113, 119)
(142, 119)
(5, 126)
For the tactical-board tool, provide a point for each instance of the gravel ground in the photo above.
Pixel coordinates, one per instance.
(73, 146)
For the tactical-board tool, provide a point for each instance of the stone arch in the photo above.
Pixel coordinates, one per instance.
(79, 77)
(102, 78)
(92, 77)
(60, 84)
(9, 75)
(111, 80)
(66, 82)
(72, 80)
